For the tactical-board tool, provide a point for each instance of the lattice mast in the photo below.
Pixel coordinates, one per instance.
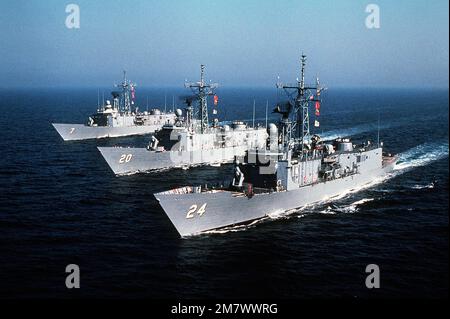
(127, 88)
(202, 90)
(301, 95)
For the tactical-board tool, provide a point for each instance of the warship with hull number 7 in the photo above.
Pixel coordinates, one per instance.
(120, 118)
(293, 170)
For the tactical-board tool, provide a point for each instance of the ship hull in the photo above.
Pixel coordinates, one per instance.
(73, 132)
(194, 213)
(130, 160)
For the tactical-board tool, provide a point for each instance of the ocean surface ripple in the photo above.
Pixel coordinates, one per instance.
(61, 205)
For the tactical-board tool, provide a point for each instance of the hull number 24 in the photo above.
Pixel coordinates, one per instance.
(194, 209)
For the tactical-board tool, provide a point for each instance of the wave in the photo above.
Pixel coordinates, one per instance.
(328, 211)
(427, 186)
(297, 212)
(363, 201)
(351, 208)
(421, 155)
(279, 214)
(233, 228)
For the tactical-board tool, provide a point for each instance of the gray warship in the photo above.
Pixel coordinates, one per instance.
(190, 141)
(119, 118)
(293, 170)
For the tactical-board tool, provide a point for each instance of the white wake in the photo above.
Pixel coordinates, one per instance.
(421, 155)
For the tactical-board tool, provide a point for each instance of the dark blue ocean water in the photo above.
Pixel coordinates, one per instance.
(60, 204)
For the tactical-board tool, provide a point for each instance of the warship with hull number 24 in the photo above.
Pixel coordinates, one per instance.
(293, 170)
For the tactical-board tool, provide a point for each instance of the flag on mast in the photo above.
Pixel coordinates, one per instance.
(216, 99)
(316, 123)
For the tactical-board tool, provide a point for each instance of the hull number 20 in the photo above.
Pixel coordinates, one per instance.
(194, 209)
(125, 158)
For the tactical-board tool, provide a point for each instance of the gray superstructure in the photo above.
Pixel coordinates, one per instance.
(190, 141)
(295, 169)
(119, 118)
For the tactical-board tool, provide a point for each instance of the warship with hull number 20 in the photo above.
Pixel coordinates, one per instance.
(293, 170)
(190, 141)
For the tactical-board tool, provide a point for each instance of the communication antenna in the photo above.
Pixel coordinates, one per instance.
(378, 129)
(165, 102)
(253, 121)
(267, 108)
